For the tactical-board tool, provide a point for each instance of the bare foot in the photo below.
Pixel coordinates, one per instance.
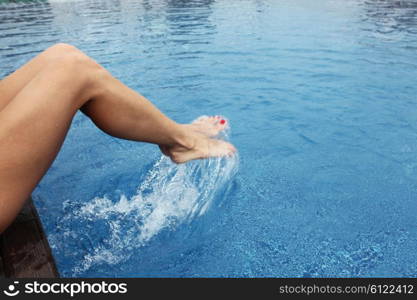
(199, 147)
(208, 125)
(196, 142)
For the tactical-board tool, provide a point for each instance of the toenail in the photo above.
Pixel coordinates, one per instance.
(222, 122)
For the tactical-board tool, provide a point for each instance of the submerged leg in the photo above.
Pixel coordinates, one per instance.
(37, 118)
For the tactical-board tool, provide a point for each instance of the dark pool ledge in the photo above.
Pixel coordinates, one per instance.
(24, 248)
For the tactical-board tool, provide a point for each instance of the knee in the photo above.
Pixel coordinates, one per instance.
(78, 62)
(72, 61)
(57, 51)
(62, 48)
(69, 57)
(72, 68)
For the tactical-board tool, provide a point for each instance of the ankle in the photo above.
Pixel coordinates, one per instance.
(184, 137)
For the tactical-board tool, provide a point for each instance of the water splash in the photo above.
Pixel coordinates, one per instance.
(170, 195)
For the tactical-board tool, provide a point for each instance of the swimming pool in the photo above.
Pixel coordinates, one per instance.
(322, 104)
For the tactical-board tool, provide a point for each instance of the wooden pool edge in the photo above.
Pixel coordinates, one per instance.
(24, 248)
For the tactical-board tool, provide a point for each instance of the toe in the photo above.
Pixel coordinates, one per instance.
(201, 119)
(210, 125)
(221, 124)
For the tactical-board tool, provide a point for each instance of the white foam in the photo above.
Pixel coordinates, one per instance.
(170, 195)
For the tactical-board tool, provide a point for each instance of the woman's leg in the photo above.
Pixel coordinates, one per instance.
(12, 84)
(35, 121)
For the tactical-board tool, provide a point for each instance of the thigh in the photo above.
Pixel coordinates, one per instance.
(11, 85)
(32, 129)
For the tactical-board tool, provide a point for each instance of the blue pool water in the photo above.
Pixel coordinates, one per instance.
(321, 97)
